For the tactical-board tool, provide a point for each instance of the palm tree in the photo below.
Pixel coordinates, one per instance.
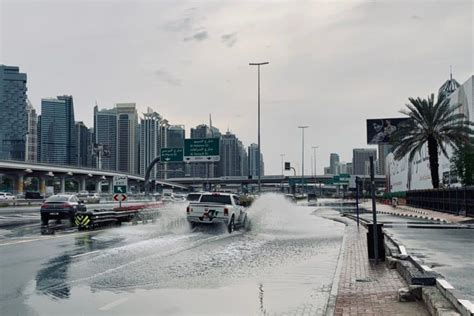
(438, 124)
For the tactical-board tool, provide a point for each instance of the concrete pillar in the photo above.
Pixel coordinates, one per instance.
(19, 184)
(111, 186)
(42, 185)
(82, 184)
(62, 188)
(98, 188)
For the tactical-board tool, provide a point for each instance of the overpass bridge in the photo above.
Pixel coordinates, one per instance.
(18, 171)
(274, 181)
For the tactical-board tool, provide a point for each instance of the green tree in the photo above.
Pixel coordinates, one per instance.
(463, 163)
(437, 124)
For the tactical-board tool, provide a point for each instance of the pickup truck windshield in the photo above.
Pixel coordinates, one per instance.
(219, 199)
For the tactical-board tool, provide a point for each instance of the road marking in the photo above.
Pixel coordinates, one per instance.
(113, 304)
(44, 238)
(85, 254)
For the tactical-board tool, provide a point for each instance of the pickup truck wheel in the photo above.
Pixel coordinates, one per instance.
(231, 226)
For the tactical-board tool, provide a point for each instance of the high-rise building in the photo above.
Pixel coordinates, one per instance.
(230, 155)
(164, 126)
(244, 161)
(359, 158)
(58, 143)
(127, 138)
(105, 138)
(175, 139)
(150, 126)
(84, 145)
(333, 161)
(31, 147)
(13, 109)
(38, 139)
(349, 168)
(252, 161)
(384, 150)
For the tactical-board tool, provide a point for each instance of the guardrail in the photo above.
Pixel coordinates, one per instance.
(458, 201)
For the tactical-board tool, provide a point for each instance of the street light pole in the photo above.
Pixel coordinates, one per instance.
(302, 156)
(258, 145)
(314, 153)
(282, 169)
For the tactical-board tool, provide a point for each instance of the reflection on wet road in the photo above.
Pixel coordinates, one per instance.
(284, 264)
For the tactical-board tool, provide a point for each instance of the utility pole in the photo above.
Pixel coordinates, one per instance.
(374, 210)
(258, 141)
(282, 168)
(302, 156)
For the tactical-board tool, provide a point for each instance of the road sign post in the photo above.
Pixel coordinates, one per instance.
(120, 188)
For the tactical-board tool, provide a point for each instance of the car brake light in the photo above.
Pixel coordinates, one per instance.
(226, 212)
(45, 205)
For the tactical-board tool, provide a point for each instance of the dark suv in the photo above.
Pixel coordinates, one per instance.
(33, 196)
(61, 206)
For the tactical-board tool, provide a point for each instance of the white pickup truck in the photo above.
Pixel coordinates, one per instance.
(217, 207)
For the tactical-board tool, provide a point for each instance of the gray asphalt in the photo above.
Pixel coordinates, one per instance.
(284, 265)
(449, 252)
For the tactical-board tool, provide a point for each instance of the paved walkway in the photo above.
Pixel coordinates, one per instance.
(366, 289)
(403, 210)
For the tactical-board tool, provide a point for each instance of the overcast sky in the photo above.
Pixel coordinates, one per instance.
(333, 64)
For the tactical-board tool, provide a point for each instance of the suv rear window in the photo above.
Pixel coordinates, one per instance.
(218, 199)
(58, 198)
(193, 197)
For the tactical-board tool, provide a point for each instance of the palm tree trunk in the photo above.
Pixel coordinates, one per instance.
(434, 161)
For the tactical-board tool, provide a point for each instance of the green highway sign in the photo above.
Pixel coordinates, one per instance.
(120, 189)
(201, 149)
(120, 184)
(171, 154)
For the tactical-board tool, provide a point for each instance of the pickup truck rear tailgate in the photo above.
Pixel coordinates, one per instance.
(206, 212)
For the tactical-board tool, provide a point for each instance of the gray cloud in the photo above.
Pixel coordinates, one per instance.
(229, 39)
(199, 36)
(167, 77)
(416, 17)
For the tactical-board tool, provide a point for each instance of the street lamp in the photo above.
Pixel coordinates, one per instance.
(302, 156)
(314, 153)
(258, 145)
(282, 169)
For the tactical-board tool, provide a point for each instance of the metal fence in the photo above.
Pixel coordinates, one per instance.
(459, 201)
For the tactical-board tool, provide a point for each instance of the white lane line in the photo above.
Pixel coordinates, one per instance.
(85, 254)
(113, 304)
(45, 238)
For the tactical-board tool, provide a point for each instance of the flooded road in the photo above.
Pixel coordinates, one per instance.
(284, 264)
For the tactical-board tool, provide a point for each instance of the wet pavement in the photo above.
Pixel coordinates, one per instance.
(285, 264)
(449, 252)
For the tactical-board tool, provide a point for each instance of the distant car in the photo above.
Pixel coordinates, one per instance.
(33, 196)
(92, 198)
(7, 196)
(61, 206)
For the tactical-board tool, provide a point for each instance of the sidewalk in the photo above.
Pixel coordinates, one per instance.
(404, 210)
(366, 289)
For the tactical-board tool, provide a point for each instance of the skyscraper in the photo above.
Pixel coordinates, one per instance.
(231, 155)
(252, 161)
(84, 145)
(127, 138)
(13, 109)
(333, 161)
(105, 137)
(360, 157)
(149, 141)
(31, 147)
(58, 144)
(176, 135)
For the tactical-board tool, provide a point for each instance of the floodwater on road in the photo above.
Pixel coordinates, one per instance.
(284, 264)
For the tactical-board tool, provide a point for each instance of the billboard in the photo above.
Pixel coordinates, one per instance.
(380, 130)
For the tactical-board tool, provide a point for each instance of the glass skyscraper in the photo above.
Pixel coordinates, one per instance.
(58, 142)
(13, 109)
(105, 138)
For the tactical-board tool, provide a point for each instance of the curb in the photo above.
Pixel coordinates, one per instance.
(331, 305)
(415, 216)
